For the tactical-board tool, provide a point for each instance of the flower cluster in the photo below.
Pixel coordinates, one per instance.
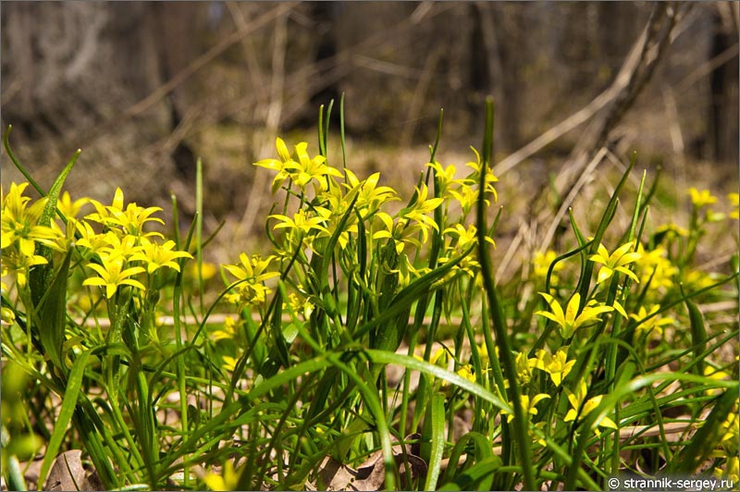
(120, 253)
(21, 233)
(337, 204)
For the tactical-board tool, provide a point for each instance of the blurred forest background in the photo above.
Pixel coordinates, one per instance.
(144, 88)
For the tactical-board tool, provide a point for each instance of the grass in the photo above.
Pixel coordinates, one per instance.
(371, 345)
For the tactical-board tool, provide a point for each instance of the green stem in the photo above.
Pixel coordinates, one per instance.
(497, 313)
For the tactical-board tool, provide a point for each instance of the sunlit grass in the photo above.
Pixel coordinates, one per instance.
(369, 343)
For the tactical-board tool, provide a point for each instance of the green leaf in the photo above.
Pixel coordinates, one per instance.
(477, 477)
(387, 335)
(415, 364)
(40, 277)
(69, 401)
(483, 451)
(51, 315)
(698, 334)
(16, 162)
(708, 436)
(432, 447)
(584, 283)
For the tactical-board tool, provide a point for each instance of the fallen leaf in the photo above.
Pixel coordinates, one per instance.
(370, 475)
(68, 473)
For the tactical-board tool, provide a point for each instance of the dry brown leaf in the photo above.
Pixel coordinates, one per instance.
(370, 475)
(68, 473)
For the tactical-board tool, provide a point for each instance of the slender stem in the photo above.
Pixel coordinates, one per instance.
(497, 313)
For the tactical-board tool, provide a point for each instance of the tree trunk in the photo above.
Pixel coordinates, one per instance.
(724, 105)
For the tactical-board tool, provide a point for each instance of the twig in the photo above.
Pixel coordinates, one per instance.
(582, 180)
(206, 58)
(418, 98)
(197, 64)
(274, 112)
(624, 82)
(573, 121)
(253, 67)
(708, 67)
(674, 126)
(632, 77)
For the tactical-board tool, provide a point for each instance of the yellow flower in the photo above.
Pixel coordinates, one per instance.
(448, 184)
(697, 279)
(467, 196)
(524, 367)
(332, 219)
(125, 246)
(490, 177)
(653, 324)
(731, 471)
(20, 224)
(466, 372)
(308, 169)
(717, 374)
(130, 220)
(440, 358)
(542, 262)
(672, 230)
(299, 167)
(229, 363)
(370, 195)
(300, 222)
(301, 305)
(735, 202)
(701, 198)
(731, 427)
(70, 208)
(654, 266)
(156, 256)
(616, 262)
(420, 207)
(208, 270)
(252, 268)
(277, 164)
(580, 407)
(112, 273)
(228, 479)
(19, 264)
(466, 236)
(462, 239)
(253, 272)
(527, 405)
(399, 232)
(7, 316)
(228, 332)
(557, 366)
(569, 321)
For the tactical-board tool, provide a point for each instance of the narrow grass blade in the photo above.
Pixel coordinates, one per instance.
(584, 283)
(341, 131)
(69, 402)
(383, 357)
(498, 318)
(709, 434)
(483, 450)
(476, 476)
(698, 334)
(51, 315)
(40, 277)
(18, 165)
(439, 135)
(412, 292)
(432, 447)
(609, 402)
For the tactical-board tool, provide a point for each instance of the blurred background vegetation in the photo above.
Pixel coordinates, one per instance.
(144, 88)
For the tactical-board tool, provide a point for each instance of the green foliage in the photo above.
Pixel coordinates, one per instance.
(370, 345)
